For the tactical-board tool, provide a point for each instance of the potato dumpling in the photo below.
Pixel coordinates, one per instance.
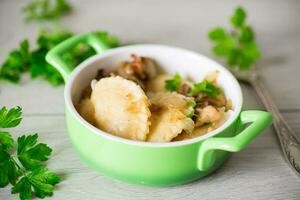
(86, 110)
(121, 108)
(167, 123)
(168, 118)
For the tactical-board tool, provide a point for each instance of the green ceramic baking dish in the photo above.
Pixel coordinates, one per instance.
(158, 164)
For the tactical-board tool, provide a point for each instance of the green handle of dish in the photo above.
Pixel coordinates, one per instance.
(259, 121)
(54, 56)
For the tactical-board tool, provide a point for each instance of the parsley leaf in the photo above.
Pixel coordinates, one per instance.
(238, 45)
(28, 176)
(206, 87)
(173, 84)
(247, 34)
(6, 141)
(16, 63)
(217, 34)
(40, 180)
(43, 181)
(46, 9)
(8, 169)
(31, 154)
(239, 17)
(24, 188)
(10, 118)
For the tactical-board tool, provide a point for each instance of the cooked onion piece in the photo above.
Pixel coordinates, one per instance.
(169, 100)
(167, 123)
(121, 108)
(212, 76)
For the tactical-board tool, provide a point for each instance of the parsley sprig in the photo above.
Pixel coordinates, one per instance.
(26, 170)
(237, 46)
(24, 59)
(206, 87)
(46, 9)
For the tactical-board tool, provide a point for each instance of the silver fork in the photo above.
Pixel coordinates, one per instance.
(289, 142)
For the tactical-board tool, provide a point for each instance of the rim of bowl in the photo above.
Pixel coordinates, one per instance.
(95, 130)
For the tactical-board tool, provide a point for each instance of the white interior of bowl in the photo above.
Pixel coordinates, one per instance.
(172, 60)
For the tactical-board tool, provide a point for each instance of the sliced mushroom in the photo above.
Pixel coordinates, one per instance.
(138, 70)
(150, 67)
(184, 89)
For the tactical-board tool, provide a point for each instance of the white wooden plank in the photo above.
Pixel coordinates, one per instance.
(35, 97)
(258, 172)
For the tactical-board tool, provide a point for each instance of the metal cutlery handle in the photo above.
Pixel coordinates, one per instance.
(287, 138)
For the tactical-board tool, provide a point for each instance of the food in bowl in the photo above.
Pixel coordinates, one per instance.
(140, 102)
(157, 164)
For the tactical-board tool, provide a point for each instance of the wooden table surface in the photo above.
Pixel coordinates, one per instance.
(258, 172)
